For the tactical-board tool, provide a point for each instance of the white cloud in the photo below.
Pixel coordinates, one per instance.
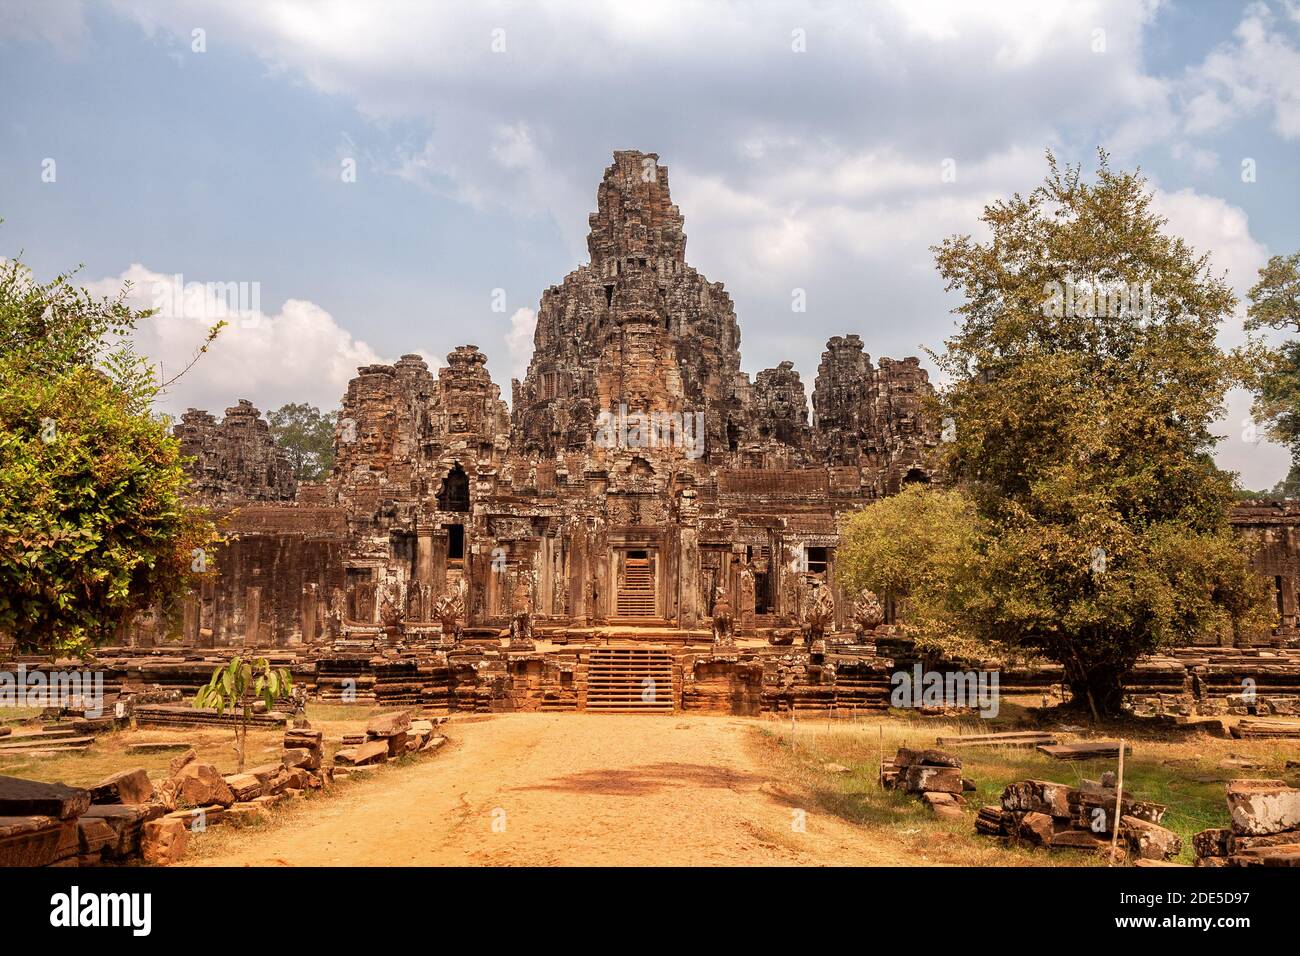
(1258, 69)
(298, 354)
(519, 342)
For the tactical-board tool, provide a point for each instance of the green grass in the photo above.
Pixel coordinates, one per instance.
(1181, 772)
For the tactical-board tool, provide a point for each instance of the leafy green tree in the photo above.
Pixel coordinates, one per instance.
(93, 524)
(1084, 380)
(308, 437)
(1273, 371)
(237, 685)
(915, 550)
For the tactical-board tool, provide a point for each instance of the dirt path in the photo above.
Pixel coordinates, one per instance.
(567, 790)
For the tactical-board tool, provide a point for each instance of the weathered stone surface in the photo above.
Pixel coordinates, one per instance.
(388, 725)
(375, 751)
(1039, 796)
(246, 813)
(95, 835)
(1212, 842)
(1150, 841)
(300, 757)
(199, 784)
(922, 779)
(164, 841)
(235, 460)
(177, 764)
(1260, 807)
(30, 840)
(1037, 828)
(244, 786)
(27, 798)
(126, 786)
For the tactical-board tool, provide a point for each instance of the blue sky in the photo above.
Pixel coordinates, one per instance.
(804, 143)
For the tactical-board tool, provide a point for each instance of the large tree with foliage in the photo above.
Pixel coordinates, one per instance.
(1084, 380)
(308, 437)
(93, 526)
(1273, 369)
(915, 550)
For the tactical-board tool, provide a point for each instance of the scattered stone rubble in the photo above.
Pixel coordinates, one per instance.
(1054, 816)
(124, 817)
(1264, 830)
(934, 775)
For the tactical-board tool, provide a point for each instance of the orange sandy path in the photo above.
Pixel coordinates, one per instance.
(572, 789)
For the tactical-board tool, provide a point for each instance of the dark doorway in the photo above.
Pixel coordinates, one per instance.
(455, 542)
(454, 494)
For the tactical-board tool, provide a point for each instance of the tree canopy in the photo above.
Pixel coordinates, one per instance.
(93, 525)
(1084, 380)
(1273, 370)
(308, 437)
(914, 550)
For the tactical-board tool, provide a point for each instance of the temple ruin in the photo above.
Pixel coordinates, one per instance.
(643, 510)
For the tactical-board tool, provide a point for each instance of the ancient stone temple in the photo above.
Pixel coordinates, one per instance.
(638, 474)
(643, 514)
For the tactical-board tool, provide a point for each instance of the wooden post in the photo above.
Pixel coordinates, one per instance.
(1119, 797)
(880, 768)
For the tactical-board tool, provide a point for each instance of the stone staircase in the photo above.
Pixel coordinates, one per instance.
(630, 680)
(636, 598)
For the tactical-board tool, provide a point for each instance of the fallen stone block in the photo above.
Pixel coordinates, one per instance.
(179, 763)
(1261, 807)
(923, 779)
(94, 835)
(1150, 841)
(199, 819)
(1038, 796)
(199, 784)
(127, 821)
(245, 786)
(939, 758)
(1074, 839)
(388, 725)
(31, 840)
(1211, 842)
(164, 841)
(300, 757)
(31, 798)
(1036, 828)
(1287, 855)
(375, 751)
(126, 786)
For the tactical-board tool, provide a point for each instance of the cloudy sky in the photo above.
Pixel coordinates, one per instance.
(377, 178)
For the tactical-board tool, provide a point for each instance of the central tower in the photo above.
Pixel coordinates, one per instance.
(636, 328)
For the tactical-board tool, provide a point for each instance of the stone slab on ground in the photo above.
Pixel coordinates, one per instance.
(125, 786)
(1086, 750)
(164, 841)
(1261, 807)
(374, 751)
(23, 798)
(388, 725)
(29, 840)
(158, 746)
(1011, 739)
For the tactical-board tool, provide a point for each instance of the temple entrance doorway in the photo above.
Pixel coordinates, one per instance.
(637, 580)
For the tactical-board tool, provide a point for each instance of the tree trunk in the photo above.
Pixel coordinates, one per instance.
(1102, 688)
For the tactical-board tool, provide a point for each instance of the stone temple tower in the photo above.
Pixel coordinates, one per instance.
(635, 327)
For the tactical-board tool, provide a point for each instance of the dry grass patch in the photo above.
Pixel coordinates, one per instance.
(1180, 771)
